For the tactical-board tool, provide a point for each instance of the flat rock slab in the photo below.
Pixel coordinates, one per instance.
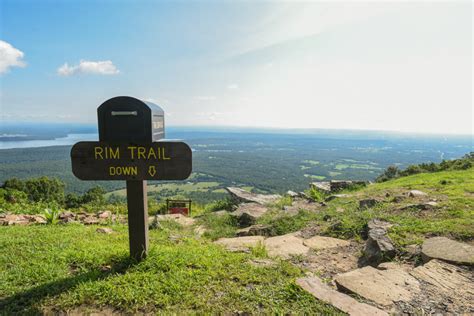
(416, 193)
(285, 246)
(448, 280)
(240, 243)
(178, 218)
(383, 287)
(321, 242)
(239, 195)
(448, 250)
(248, 213)
(344, 302)
(254, 230)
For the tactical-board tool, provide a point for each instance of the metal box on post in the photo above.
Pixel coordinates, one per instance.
(130, 119)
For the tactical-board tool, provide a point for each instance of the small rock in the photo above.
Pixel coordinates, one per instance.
(248, 213)
(398, 198)
(254, 230)
(240, 243)
(336, 196)
(285, 246)
(66, 215)
(200, 230)
(104, 230)
(321, 242)
(178, 218)
(448, 250)
(89, 220)
(104, 214)
(416, 193)
(367, 203)
(292, 194)
(379, 246)
(345, 303)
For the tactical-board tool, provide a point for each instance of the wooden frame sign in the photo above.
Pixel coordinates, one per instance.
(162, 160)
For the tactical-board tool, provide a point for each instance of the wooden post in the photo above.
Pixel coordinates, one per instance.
(137, 204)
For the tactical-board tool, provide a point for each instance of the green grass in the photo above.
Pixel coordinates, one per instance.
(73, 267)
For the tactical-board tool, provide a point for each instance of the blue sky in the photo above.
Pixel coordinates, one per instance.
(404, 66)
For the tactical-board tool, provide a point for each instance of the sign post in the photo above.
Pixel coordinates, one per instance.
(131, 148)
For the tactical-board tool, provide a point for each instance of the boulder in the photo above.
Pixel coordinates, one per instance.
(416, 193)
(248, 213)
(379, 246)
(240, 243)
(239, 195)
(448, 250)
(322, 186)
(384, 287)
(367, 203)
(321, 242)
(66, 215)
(254, 230)
(345, 303)
(104, 230)
(285, 246)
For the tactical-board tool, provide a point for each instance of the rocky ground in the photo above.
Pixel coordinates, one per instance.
(367, 276)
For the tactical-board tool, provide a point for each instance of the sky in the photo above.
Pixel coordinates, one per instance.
(399, 66)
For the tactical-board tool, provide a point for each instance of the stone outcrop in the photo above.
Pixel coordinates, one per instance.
(248, 213)
(344, 302)
(240, 243)
(384, 287)
(335, 185)
(368, 203)
(239, 195)
(104, 230)
(321, 243)
(448, 250)
(285, 246)
(379, 246)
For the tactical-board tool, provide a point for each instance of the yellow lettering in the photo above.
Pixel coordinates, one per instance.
(141, 152)
(111, 171)
(114, 155)
(98, 152)
(151, 153)
(164, 156)
(134, 171)
(132, 151)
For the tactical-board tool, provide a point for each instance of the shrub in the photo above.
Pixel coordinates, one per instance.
(51, 215)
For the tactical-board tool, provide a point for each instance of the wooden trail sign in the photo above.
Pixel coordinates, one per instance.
(162, 160)
(131, 149)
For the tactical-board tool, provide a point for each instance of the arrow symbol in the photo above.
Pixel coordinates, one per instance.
(152, 170)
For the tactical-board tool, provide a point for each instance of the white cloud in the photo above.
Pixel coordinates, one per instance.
(10, 57)
(205, 98)
(233, 86)
(105, 67)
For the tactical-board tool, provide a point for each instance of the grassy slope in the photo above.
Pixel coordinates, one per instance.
(70, 267)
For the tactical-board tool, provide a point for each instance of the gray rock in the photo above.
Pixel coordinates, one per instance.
(345, 303)
(104, 214)
(338, 185)
(239, 195)
(367, 203)
(384, 287)
(248, 213)
(448, 250)
(416, 193)
(292, 194)
(254, 230)
(240, 243)
(321, 242)
(89, 220)
(66, 215)
(335, 196)
(379, 246)
(322, 186)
